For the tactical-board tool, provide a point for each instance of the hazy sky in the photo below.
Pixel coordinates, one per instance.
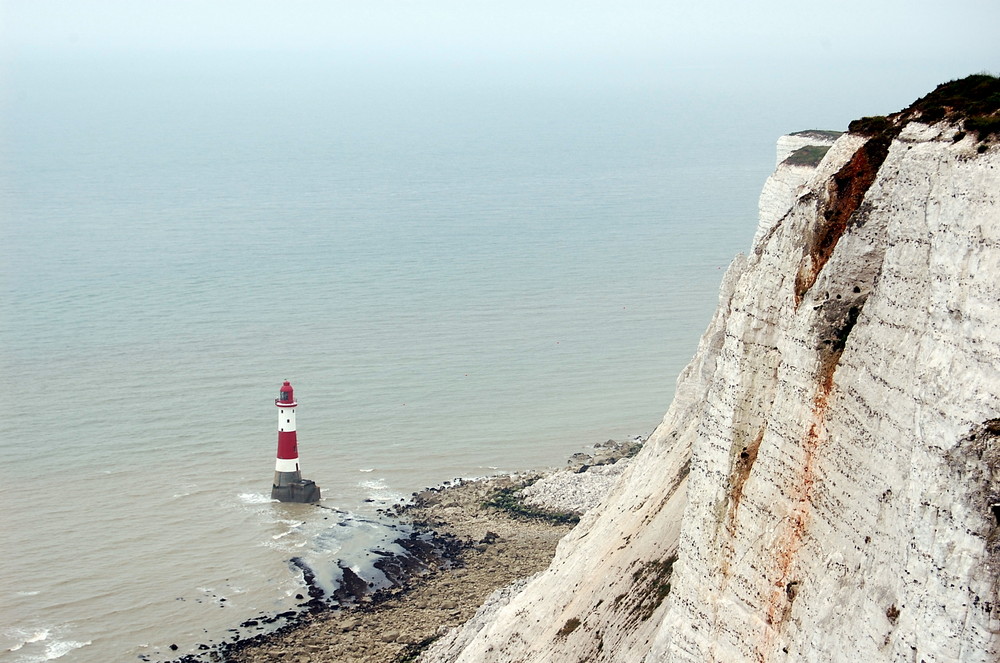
(796, 63)
(960, 30)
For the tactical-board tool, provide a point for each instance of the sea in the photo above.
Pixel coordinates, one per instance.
(462, 270)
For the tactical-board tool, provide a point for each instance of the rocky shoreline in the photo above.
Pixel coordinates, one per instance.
(472, 539)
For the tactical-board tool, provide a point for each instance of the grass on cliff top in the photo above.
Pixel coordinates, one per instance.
(973, 101)
(810, 155)
(819, 133)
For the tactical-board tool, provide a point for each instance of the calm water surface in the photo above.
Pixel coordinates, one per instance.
(459, 276)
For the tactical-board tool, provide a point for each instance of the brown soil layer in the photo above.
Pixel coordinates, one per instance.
(395, 625)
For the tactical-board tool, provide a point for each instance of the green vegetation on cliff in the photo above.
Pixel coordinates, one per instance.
(972, 102)
(810, 155)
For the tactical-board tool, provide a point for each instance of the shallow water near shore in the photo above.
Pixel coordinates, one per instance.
(481, 279)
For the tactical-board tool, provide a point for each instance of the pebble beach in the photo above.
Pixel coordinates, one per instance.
(495, 533)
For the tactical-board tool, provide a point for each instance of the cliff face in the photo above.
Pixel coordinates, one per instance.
(826, 484)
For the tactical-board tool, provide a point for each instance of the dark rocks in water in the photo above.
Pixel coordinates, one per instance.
(309, 578)
(391, 567)
(352, 587)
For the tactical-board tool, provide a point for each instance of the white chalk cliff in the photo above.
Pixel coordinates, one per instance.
(826, 484)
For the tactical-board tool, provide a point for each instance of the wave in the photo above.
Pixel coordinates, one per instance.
(60, 648)
(380, 491)
(36, 636)
(53, 649)
(374, 484)
(255, 498)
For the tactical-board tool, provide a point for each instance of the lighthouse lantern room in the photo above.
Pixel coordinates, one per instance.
(289, 486)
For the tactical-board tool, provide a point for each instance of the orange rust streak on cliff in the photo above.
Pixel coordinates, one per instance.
(779, 601)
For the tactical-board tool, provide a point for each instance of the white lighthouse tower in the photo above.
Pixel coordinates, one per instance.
(289, 486)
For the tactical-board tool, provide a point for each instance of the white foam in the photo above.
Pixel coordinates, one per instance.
(379, 490)
(60, 648)
(52, 649)
(255, 498)
(37, 635)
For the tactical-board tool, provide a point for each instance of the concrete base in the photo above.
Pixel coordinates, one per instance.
(303, 491)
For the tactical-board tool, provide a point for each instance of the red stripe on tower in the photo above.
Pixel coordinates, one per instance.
(287, 445)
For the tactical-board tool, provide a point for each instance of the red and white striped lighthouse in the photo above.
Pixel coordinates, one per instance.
(289, 486)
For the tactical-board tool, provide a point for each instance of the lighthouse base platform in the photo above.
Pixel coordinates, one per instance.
(303, 491)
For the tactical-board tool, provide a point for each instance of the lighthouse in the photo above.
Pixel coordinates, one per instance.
(289, 486)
